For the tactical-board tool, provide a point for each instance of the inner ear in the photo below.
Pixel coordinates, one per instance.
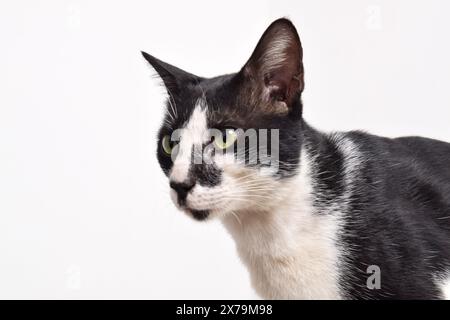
(275, 67)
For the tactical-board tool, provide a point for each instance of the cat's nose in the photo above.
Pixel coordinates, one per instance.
(182, 188)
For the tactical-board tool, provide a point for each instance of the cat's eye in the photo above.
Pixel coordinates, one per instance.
(167, 145)
(227, 140)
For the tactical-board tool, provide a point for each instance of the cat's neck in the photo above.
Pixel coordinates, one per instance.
(290, 210)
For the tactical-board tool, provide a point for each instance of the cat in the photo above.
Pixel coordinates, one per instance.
(343, 215)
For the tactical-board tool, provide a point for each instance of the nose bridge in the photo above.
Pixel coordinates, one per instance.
(181, 165)
(187, 157)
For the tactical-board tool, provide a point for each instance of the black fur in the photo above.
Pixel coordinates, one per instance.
(402, 207)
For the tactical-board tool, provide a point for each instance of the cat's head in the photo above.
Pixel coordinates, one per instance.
(228, 143)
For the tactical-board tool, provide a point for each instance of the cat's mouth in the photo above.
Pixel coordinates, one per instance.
(199, 215)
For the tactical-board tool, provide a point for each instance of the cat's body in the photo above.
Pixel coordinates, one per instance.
(335, 216)
(386, 202)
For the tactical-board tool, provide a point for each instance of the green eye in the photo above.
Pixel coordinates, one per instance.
(227, 140)
(167, 145)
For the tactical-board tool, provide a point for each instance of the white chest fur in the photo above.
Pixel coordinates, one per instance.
(290, 261)
(290, 252)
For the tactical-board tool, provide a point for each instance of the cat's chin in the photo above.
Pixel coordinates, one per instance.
(203, 215)
(199, 215)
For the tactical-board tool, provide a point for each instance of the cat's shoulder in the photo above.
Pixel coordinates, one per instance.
(415, 152)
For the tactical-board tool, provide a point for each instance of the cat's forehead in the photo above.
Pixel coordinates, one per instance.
(218, 97)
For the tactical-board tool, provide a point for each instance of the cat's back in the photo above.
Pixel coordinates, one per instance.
(426, 163)
(431, 153)
(407, 175)
(411, 155)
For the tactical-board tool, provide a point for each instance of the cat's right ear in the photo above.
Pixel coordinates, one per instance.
(174, 78)
(275, 69)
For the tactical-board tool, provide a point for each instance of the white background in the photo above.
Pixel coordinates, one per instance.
(84, 207)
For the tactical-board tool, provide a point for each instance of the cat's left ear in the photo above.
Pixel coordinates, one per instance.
(276, 68)
(174, 78)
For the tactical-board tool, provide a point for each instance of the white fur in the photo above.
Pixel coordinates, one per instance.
(275, 54)
(446, 288)
(443, 282)
(193, 134)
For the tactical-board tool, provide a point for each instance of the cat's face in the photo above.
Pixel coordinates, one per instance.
(228, 143)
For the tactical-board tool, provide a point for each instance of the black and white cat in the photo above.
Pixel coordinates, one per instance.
(344, 215)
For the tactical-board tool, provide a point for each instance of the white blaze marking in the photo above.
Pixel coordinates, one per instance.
(194, 133)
